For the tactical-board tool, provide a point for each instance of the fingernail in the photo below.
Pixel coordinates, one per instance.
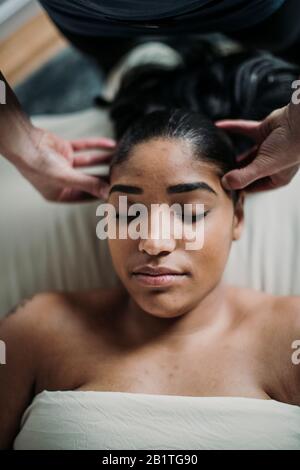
(225, 183)
(111, 142)
(103, 194)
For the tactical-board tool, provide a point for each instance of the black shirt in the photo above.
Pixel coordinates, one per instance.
(136, 17)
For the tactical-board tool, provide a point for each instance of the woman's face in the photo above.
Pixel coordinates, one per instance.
(163, 171)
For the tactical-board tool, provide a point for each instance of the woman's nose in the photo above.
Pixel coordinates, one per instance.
(157, 246)
(160, 237)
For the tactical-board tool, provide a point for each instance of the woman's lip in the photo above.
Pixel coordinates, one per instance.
(158, 279)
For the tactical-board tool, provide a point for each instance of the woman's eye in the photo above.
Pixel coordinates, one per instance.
(190, 218)
(126, 217)
(193, 218)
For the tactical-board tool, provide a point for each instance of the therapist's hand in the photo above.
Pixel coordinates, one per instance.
(52, 166)
(274, 159)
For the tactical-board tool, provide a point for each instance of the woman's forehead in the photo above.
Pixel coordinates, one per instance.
(156, 148)
(163, 160)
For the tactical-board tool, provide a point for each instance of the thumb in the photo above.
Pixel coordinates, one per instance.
(242, 177)
(77, 180)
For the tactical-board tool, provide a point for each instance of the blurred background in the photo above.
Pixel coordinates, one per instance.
(48, 75)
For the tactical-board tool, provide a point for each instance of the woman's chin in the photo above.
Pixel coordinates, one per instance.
(162, 308)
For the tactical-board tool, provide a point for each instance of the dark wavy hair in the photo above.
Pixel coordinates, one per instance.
(183, 102)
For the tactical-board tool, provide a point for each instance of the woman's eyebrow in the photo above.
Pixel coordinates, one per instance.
(175, 189)
(186, 187)
(124, 188)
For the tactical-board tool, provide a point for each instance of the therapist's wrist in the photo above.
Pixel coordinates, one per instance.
(22, 146)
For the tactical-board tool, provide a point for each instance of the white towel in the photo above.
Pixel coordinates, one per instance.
(100, 420)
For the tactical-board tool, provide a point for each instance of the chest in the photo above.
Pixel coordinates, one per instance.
(213, 368)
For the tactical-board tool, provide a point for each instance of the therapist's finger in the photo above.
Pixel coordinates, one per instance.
(267, 183)
(86, 159)
(262, 184)
(77, 180)
(242, 177)
(92, 143)
(251, 129)
(74, 195)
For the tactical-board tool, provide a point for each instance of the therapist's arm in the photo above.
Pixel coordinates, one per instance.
(48, 161)
(275, 158)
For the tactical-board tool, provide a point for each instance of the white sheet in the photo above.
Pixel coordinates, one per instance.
(84, 420)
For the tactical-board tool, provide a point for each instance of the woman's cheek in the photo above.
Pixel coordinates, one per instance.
(213, 255)
(119, 254)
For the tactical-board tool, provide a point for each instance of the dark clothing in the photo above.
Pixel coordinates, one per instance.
(164, 17)
(277, 25)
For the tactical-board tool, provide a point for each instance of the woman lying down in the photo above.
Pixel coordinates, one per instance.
(173, 358)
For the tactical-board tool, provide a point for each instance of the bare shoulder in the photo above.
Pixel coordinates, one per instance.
(54, 308)
(286, 319)
(26, 328)
(19, 331)
(20, 327)
(251, 304)
(26, 315)
(54, 321)
(278, 312)
(281, 328)
(272, 322)
(286, 313)
(280, 343)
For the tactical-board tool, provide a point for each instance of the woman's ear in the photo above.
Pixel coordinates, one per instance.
(238, 219)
